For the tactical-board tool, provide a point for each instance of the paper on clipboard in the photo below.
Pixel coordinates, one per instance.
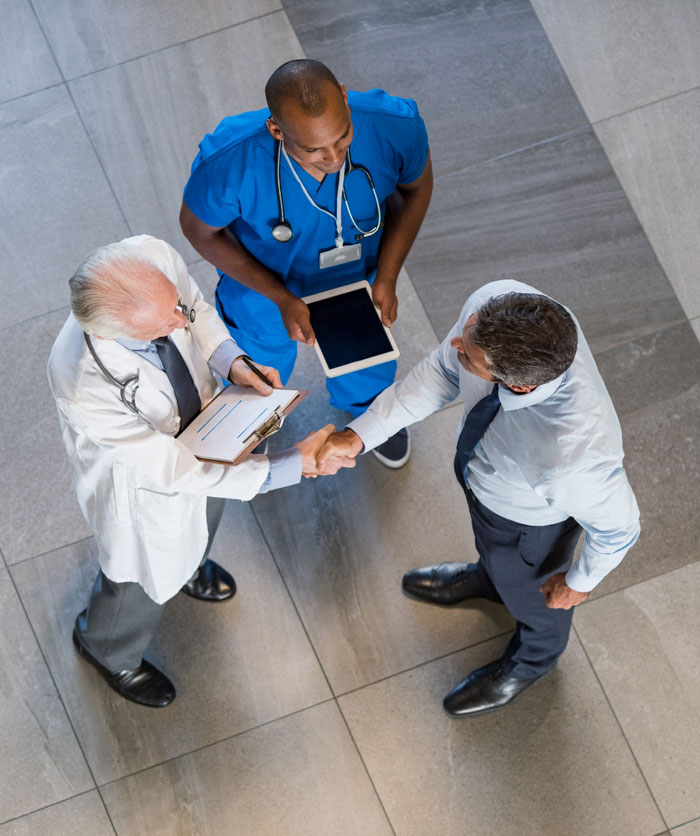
(236, 421)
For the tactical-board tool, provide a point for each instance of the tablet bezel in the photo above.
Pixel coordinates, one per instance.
(357, 364)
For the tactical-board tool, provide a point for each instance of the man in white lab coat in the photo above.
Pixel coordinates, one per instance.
(137, 357)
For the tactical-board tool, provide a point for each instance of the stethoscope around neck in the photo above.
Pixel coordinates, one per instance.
(283, 232)
(127, 387)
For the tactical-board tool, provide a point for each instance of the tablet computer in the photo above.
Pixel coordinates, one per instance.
(350, 334)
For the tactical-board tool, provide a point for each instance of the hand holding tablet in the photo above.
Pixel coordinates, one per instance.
(349, 331)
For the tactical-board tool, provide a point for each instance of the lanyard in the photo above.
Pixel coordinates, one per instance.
(338, 198)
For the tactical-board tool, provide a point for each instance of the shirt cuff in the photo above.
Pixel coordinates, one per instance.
(222, 357)
(370, 430)
(285, 470)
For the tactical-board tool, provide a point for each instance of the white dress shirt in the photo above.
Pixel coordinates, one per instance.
(551, 454)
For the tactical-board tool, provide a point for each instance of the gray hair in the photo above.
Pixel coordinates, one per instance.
(527, 339)
(111, 289)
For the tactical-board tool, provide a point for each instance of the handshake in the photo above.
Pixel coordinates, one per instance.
(325, 451)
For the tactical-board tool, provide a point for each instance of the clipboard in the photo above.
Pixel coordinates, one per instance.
(232, 424)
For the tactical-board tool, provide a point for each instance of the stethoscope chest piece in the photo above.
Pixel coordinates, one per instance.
(282, 232)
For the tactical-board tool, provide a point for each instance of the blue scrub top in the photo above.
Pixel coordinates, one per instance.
(232, 183)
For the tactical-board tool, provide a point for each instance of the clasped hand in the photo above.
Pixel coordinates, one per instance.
(325, 451)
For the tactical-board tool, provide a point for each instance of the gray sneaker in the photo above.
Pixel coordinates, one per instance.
(395, 450)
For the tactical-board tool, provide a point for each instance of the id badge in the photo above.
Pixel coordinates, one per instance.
(339, 255)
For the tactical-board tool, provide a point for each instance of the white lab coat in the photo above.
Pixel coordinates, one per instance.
(142, 492)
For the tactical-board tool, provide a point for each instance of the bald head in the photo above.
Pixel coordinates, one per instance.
(306, 83)
(117, 292)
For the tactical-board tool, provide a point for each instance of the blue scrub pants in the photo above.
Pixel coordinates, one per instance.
(255, 323)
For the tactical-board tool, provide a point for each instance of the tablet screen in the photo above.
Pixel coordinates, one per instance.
(347, 328)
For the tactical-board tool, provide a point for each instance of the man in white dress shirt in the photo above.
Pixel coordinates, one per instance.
(539, 457)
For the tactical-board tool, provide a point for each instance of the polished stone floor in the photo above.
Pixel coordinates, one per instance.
(564, 139)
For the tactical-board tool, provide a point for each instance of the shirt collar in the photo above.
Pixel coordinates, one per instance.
(511, 400)
(135, 345)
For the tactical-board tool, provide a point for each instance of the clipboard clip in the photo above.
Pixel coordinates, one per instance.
(268, 427)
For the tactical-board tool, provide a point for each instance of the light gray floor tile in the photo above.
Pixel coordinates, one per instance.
(662, 447)
(55, 204)
(27, 63)
(553, 216)
(84, 815)
(554, 762)
(695, 325)
(36, 477)
(621, 55)
(643, 644)
(234, 665)
(690, 829)
(147, 117)
(483, 73)
(344, 542)
(42, 762)
(651, 369)
(89, 35)
(654, 153)
(300, 776)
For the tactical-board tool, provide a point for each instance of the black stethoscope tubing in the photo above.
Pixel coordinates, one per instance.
(283, 232)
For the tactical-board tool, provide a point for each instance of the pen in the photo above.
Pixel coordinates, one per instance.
(251, 365)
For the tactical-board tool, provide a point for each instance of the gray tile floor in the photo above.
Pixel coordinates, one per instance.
(564, 142)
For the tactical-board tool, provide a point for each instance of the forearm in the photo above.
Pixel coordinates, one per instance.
(224, 251)
(404, 215)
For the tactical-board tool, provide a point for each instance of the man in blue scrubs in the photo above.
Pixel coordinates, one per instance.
(231, 208)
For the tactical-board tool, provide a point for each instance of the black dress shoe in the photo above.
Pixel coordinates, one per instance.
(145, 685)
(484, 690)
(446, 583)
(212, 583)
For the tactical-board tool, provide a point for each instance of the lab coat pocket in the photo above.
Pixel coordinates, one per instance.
(123, 509)
(163, 519)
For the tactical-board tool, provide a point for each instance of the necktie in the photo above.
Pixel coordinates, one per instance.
(186, 393)
(480, 416)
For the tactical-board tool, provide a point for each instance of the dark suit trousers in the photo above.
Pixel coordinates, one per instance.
(514, 561)
(121, 619)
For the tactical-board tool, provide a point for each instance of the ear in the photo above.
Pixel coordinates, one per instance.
(274, 129)
(344, 92)
(521, 390)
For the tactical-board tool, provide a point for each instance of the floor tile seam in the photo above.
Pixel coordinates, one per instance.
(213, 743)
(365, 767)
(26, 95)
(49, 552)
(683, 824)
(637, 583)
(653, 103)
(292, 601)
(48, 806)
(81, 119)
(622, 731)
(423, 664)
(40, 315)
(582, 129)
(161, 49)
(59, 696)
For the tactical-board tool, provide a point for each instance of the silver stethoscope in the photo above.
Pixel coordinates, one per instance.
(283, 232)
(128, 387)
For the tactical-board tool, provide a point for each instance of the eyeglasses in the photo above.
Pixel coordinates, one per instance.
(188, 313)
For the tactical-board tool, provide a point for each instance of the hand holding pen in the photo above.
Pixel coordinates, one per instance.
(244, 372)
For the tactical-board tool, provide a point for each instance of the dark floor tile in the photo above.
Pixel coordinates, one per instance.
(651, 369)
(484, 73)
(553, 216)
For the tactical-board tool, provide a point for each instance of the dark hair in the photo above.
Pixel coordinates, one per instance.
(302, 80)
(527, 339)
